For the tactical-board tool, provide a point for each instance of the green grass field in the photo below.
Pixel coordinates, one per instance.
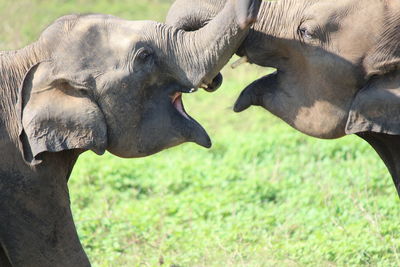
(264, 195)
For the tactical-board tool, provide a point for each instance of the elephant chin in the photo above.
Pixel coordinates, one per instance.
(167, 125)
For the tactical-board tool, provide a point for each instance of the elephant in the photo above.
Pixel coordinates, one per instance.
(101, 83)
(336, 66)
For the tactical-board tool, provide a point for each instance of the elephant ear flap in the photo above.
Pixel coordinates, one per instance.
(57, 113)
(376, 107)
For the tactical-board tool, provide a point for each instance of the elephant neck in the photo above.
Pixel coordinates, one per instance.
(57, 166)
(13, 67)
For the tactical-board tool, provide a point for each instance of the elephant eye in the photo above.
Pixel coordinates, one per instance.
(305, 33)
(144, 54)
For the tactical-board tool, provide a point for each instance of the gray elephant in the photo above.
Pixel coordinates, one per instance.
(337, 66)
(94, 82)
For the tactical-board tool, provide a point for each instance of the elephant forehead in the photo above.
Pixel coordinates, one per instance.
(109, 34)
(100, 42)
(126, 34)
(109, 23)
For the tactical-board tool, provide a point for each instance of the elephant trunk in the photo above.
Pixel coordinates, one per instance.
(194, 14)
(198, 56)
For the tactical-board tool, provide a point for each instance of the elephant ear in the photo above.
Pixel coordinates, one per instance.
(375, 111)
(376, 107)
(57, 112)
(375, 117)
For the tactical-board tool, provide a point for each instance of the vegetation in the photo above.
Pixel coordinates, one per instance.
(264, 195)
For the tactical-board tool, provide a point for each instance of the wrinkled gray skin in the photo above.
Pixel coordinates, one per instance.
(337, 66)
(93, 82)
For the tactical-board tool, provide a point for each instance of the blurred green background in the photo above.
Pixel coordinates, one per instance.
(264, 195)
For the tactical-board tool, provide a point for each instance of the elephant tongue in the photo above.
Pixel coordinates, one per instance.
(178, 104)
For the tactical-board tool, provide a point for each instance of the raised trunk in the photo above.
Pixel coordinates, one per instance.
(193, 15)
(213, 46)
(199, 56)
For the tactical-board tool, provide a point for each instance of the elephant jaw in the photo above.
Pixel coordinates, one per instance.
(197, 133)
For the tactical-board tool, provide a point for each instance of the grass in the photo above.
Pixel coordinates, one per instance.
(264, 195)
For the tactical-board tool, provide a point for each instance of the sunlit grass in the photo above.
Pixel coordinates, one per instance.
(264, 195)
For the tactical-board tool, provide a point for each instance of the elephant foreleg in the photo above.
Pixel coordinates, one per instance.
(36, 224)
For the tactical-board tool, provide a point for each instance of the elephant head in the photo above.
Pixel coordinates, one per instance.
(112, 84)
(336, 67)
(94, 82)
(327, 55)
(337, 70)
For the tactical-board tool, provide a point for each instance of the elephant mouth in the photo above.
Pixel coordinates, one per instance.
(178, 104)
(196, 132)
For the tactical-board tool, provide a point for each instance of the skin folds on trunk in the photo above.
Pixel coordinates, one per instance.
(203, 53)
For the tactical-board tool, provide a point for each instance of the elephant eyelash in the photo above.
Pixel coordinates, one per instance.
(84, 92)
(305, 33)
(143, 54)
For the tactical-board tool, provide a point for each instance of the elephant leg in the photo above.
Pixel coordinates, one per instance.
(388, 148)
(36, 224)
(4, 261)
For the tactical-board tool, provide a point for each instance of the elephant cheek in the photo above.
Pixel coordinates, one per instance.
(322, 120)
(122, 126)
(144, 139)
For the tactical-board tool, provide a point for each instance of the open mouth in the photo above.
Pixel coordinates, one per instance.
(178, 104)
(192, 129)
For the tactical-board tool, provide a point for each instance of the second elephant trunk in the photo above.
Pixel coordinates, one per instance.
(198, 56)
